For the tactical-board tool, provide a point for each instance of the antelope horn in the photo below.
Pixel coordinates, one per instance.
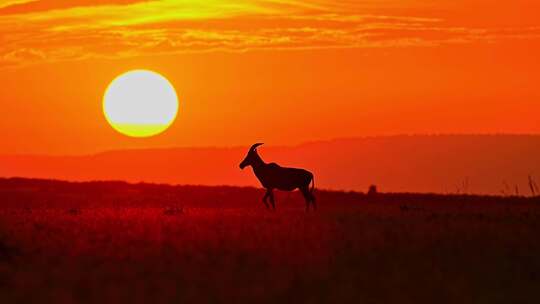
(255, 146)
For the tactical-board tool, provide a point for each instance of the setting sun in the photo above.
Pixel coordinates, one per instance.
(140, 103)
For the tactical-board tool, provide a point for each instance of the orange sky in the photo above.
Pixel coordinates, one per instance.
(281, 71)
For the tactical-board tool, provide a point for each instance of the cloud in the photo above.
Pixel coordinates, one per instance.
(33, 6)
(38, 31)
(6, 3)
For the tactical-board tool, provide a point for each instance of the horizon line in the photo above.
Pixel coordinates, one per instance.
(292, 145)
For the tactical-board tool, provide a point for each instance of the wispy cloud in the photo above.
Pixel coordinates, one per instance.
(24, 7)
(6, 3)
(37, 31)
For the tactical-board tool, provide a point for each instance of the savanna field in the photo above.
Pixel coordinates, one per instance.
(113, 242)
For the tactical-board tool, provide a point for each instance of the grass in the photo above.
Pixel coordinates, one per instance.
(110, 242)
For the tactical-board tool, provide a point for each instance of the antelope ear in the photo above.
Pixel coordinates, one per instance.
(255, 146)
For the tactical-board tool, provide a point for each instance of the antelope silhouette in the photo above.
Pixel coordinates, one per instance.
(273, 176)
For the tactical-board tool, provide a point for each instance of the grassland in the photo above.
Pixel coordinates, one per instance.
(112, 242)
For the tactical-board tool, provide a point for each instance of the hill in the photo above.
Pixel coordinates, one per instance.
(483, 164)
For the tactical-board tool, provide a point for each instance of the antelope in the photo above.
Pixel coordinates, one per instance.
(273, 176)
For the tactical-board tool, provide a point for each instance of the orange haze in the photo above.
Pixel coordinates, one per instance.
(493, 164)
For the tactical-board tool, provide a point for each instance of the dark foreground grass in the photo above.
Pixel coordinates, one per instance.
(118, 243)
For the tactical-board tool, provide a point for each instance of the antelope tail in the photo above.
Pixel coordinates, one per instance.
(312, 183)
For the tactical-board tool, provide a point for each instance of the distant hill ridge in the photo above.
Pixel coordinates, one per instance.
(483, 164)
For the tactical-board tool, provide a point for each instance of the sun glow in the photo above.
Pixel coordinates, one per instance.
(140, 103)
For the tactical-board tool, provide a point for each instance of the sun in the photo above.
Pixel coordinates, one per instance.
(140, 103)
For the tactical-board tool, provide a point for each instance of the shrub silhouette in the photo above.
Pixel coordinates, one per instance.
(372, 190)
